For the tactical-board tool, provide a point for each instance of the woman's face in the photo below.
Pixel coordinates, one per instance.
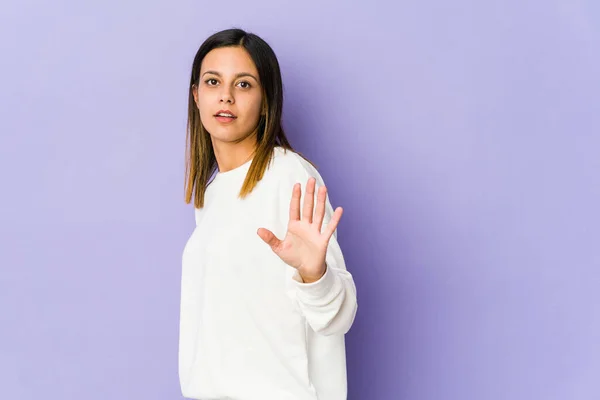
(229, 82)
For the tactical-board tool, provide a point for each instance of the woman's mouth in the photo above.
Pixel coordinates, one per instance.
(225, 116)
(221, 118)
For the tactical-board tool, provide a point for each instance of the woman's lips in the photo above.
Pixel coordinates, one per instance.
(224, 119)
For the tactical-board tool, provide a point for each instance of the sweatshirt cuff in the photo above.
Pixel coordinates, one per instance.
(316, 289)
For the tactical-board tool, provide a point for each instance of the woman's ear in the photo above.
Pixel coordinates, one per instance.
(195, 93)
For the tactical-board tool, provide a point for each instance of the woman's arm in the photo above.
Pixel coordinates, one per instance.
(323, 288)
(329, 304)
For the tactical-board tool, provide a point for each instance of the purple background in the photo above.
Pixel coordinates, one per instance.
(462, 139)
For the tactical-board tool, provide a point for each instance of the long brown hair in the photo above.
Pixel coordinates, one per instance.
(200, 158)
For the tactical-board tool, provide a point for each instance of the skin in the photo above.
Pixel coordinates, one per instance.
(304, 246)
(229, 81)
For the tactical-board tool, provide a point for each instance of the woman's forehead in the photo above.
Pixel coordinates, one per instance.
(228, 61)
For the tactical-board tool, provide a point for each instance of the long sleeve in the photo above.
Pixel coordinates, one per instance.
(329, 304)
(248, 329)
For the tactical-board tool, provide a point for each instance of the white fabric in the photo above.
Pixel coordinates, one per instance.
(249, 330)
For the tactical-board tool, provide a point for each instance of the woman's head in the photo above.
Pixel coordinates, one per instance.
(236, 71)
(229, 82)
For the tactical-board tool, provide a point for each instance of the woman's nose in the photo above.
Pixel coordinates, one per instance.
(226, 96)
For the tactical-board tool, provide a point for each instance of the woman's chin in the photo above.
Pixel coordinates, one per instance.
(226, 136)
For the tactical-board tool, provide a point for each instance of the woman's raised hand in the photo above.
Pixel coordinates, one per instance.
(304, 246)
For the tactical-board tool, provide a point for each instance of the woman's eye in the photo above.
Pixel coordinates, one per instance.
(213, 82)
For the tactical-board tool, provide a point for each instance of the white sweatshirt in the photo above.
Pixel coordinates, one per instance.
(249, 329)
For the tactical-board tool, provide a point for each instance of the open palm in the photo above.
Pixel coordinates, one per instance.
(305, 246)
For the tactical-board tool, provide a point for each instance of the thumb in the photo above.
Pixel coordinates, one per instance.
(268, 237)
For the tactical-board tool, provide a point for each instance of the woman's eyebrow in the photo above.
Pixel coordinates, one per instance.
(238, 75)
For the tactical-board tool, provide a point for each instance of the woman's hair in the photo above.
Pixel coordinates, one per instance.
(200, 158)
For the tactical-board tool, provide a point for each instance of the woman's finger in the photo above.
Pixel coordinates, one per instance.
(320, 209)
(309, 200)
(269, 238)
(335, 219)
(295, 203)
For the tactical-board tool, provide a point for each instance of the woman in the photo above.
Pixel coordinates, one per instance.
(261, 317)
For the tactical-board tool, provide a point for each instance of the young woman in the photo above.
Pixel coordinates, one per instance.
(265, 295)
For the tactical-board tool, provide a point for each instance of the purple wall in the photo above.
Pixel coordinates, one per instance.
(462, 139)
